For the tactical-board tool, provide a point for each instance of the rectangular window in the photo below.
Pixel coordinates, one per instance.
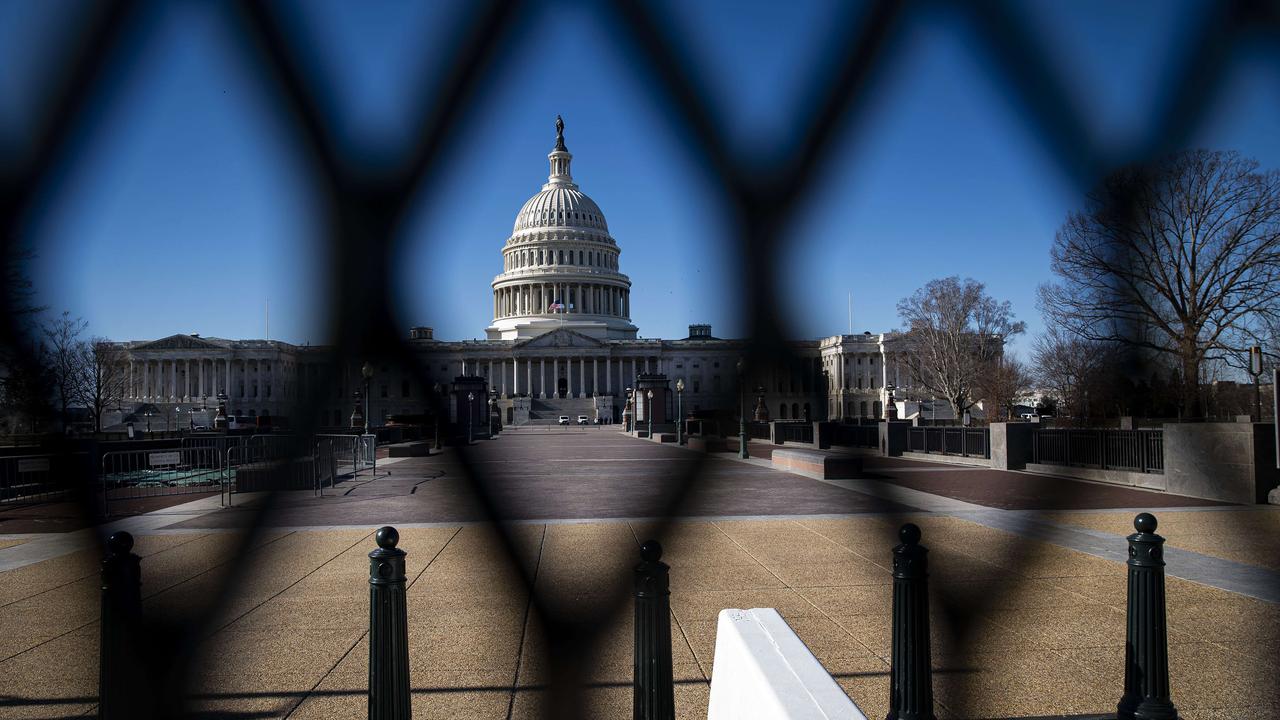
(384, 391)
(404, 389)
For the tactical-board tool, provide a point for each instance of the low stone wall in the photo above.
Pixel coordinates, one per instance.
(952, 459)
(703, 443)
(1147, 481)
(826, 465)
(1221, 461)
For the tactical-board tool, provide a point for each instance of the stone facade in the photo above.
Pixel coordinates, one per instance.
(561, 332)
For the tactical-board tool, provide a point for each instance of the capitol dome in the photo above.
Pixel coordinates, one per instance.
(560, 265)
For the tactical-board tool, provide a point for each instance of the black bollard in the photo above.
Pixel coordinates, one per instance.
(911, 681)
(119, 677)
(388, 631)
(1146, 647)
(653, 681)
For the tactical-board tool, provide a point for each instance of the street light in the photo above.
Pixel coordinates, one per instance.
(742, 414)
(648, 410)
(366, 371)
(1255, 369)
(629, 412)
(680, 411)
(471, 398)
(439, 404)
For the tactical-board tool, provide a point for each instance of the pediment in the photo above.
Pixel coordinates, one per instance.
(179, 342)
(560, 339)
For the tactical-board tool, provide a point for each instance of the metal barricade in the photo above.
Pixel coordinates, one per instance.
(35, 478)
(136, 474)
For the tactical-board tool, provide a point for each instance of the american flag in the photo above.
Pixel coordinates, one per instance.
(555, 307)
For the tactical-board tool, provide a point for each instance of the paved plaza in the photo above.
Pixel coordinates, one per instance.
(1036, 563)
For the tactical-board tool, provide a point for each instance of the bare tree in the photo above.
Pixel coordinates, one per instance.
(1180, 258)
(1068, 368)
(956, 331)
(105, 375)
(64, 359)
(1002, 382)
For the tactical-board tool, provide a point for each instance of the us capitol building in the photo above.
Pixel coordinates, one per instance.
(561, 343)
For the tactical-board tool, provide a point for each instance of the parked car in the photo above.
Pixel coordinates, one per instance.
(564, 419)
(582, 420)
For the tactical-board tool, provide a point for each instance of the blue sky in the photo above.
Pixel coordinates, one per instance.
(183, 208)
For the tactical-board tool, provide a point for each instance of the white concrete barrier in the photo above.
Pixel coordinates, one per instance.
(764, 672)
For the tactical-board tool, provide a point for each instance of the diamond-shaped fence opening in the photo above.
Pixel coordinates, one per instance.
(363, 203)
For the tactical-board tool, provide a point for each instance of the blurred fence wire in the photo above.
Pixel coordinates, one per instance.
(362, 203)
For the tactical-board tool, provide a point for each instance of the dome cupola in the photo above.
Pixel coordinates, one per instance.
(560, 265)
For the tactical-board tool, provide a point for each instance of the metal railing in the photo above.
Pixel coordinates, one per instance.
(866, 436)
(758, 430)
(39, 478)
(1102, 448)
(801, 432)
(136, 474)
(961, 441)
(359, 450)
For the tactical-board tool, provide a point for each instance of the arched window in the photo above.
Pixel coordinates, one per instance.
(579, 257)
(795, 411)
(561, 257)
(782, 411)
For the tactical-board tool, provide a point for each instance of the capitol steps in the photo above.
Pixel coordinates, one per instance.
(547, 411)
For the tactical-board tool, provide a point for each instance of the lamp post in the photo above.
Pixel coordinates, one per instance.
(648, 410)
(629, 412)
(366, 371)
(222, 412)
(742, 414)
(891, 412)
(471, 398)
(680, 411)
(439, 405)
(1255, 369)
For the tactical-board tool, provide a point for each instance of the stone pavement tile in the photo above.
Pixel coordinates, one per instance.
(464, 647)
(693, 543)
(850, 600)
(869, 691)
(707, 604)
(1064, 627)
(451, 610)
(1246, 536)
(849, 571)
(701, 637)
(287, 614)
(875, 632)
(29, 688)
(1235, 712)
(10, 543)
(1111, 590)
(1007, 685)
(31, 580)
(237, 651)
(1014, 594)
(869, 536)
(1201, 675)
(612, 703)
(261, 704)
(954, 566)
(1043, 560)
(742, 577)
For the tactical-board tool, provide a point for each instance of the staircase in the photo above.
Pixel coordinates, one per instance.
(547, 411)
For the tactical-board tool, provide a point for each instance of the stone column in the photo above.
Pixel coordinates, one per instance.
(515, 376)
(608, 376)
(582, 376)
(595, 375)
(634, 374)
(528, 376)
(542, 377)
